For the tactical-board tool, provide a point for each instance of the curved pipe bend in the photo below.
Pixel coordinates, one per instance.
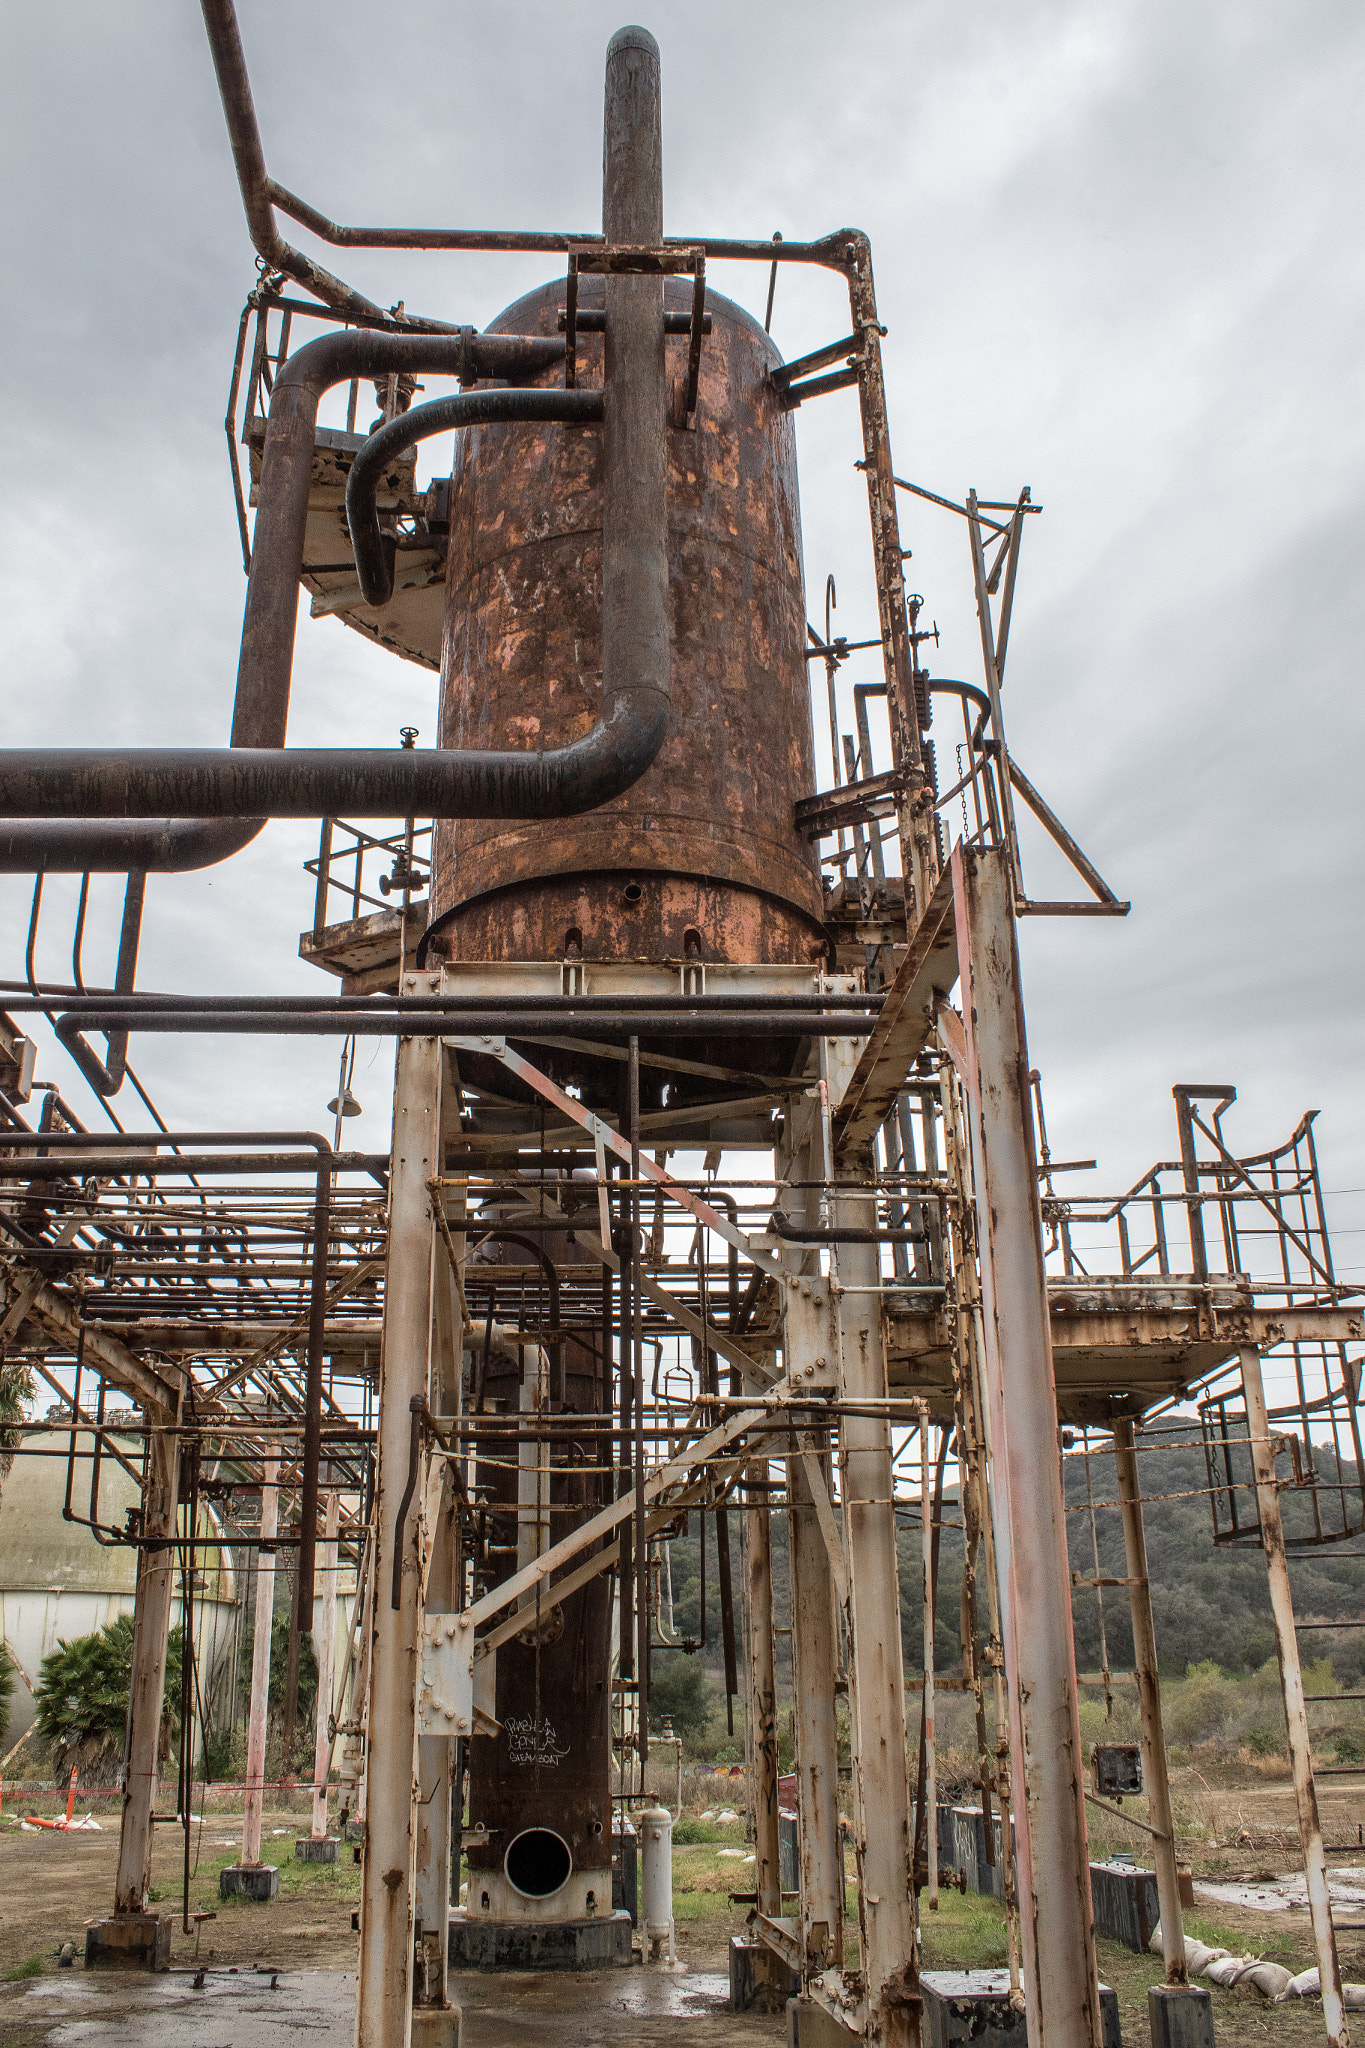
(256, 777)
(374, 552)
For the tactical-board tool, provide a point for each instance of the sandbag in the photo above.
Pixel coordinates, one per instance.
(1225, 1970)
(1271, 1979)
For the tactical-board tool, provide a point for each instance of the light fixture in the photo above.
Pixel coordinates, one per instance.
(344, 1104)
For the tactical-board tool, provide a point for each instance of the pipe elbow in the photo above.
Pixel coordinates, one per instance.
(116, 846)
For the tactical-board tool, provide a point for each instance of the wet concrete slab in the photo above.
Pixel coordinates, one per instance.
(1345, 1887)
(229, 2009)
(260, 2009)
(640, 2005)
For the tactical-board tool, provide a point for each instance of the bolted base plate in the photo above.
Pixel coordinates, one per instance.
(602, 1943)
(316, 1849)
(1180, 2016)
(128, 1941)
(259, 1882)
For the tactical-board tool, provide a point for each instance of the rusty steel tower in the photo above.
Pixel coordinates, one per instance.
(501, 1366)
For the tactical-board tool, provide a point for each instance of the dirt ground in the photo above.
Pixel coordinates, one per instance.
(51, 1884)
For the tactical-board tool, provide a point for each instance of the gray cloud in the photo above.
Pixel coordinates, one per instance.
(1116, 261)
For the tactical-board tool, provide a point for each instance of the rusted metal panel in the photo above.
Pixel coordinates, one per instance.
(707, 835)
(1058, 1944)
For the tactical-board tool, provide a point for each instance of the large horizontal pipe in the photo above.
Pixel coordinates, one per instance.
(79, 1165)
(804, 1233)
(497, 1024)
(257, 777)
(109, 1000)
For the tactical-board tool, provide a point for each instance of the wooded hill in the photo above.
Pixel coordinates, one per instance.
(1211, 1600)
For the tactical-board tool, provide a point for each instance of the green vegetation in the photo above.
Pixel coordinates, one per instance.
(32, 1968)
(6, 1690)
(82, 1696)
(1212, 1602)
(678, 1692)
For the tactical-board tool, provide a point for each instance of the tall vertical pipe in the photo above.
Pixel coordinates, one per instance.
(254, 1800)
(634, 523)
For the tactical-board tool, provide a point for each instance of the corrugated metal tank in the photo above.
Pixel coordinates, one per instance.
(704, 843)
(58, 1583)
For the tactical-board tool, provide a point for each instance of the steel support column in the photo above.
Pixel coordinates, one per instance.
(1060, 1982)
(1149, 1704)
(151, 1629)
(815, 1660)
(762, 1695)
(1295, 1712)
(886, 1904)
(435, 1758)
(806, 1350)
(384, 2003)
(324, 1645)
(253, 1799)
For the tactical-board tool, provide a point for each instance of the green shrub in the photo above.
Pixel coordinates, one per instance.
(82, 1697)
(1199, 1708)
(678, 1692)
(218, 1754)
(1347, 1750)
(1266, 1741)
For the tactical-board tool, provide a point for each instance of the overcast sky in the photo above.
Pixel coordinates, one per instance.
(1118, 256)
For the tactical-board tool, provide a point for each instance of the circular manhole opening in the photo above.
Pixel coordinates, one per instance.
(538, 1862)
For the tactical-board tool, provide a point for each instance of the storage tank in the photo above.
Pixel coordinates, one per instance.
(58, 1583)
(701, 856)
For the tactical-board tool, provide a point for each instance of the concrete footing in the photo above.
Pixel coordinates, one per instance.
(436, 2026)
(602, 1943)
(128, 1941)
(259, 1882)
(759, 1978)
(316, 1848)
(1125, 1904)
(1180, 2016)
(973, 2005)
